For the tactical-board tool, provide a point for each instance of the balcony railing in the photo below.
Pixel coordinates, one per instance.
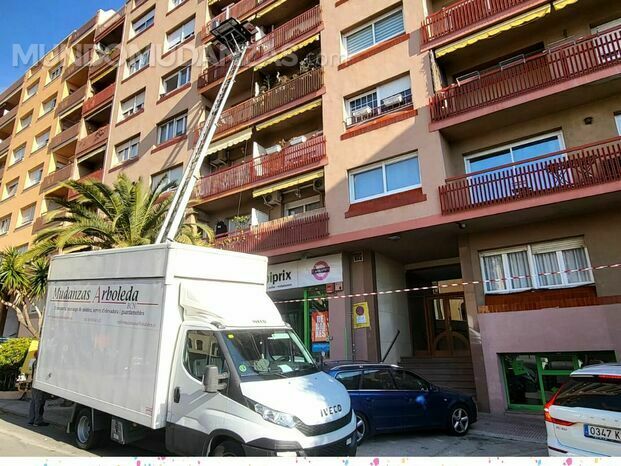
(59, 176)
(553, 66)
(562, 171)
(271, 100)
(105, 60)
(4, 145)
(93, 141)
(239, 10)
(65, 136)
(97, 175)
(465, 14)
(71, 100)
(112, 23)
(79, 63)
(284, 232)
(84, 29)
(268, 45)
(7, 117)
(263, 169)
(388, 105)
(101, 98)
(12, 89)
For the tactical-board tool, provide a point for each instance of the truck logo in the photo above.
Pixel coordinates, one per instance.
(321, 270)
(330, 410)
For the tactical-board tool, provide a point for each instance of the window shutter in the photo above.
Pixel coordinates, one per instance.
(570, 243)
(360, 40)
(389, 27)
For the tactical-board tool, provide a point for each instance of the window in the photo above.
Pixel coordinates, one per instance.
(5, 224)
(34, 176)
(618, 120)
(27, 214)
(169, 176)
(10, 189)
(407, 381)
(145, 21)
(41, 140)
(32, 90)
(25, 121)
(18, 154)
(138, 62)
(380, 179)
(176, 80)
(380, 30)
(174, 3)
(55, 73)
(383, 99)
(128, 150)
(48, 106)
(132, 105)
(378, 379)
(351, 379)
(172, 128)
(202, 350)
(303, 205)
(176, 37)
(544, 265)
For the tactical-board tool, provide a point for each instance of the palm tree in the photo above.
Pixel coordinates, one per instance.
(125, 214)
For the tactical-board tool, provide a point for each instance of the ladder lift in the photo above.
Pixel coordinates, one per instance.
(235, 36)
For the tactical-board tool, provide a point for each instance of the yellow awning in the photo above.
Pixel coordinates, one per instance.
(99, 76)
(298, 180)
(289, 114)
(524, 18)
(270, 8)
(289, 51)
(230, 141)
(560, 4)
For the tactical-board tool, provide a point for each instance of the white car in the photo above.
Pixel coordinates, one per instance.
(584, 416)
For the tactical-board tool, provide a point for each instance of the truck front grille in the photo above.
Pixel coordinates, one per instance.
(321, 429)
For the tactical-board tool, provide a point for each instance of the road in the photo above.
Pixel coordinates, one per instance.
(19, 439)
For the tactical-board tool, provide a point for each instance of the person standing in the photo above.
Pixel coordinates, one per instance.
(37, 399)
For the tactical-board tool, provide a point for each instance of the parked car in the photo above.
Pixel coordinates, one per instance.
(389, 398)
(583, 418)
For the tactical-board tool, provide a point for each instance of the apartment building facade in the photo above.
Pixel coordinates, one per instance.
(380, 146)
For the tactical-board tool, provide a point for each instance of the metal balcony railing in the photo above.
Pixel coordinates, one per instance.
(101, 98)
(71, 100)
(65, 136)
(93, 141)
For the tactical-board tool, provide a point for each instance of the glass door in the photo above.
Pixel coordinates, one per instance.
(447, 325)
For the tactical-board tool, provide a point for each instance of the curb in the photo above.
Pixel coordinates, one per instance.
(515, 438)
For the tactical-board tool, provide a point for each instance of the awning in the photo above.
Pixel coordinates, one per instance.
(230, 141)
(298, 180)
(289, 114)
(560, 4)
(289, 51)
(97, 77)
(270, 8)
(520, 20)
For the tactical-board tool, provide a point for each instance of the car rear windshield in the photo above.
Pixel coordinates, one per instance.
(593, 393)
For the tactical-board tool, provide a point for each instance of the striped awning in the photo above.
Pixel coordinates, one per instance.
(270, 8)
(230, 141)
(520, 20)
(289, 114)
(560, 4)
(289, 51)
(290, 183)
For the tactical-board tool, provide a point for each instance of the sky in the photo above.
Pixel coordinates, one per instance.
(47, 22)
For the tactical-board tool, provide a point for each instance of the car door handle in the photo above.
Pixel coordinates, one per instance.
(177, 395)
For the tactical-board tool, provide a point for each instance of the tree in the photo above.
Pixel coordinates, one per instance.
(23, 283)
(126, 214)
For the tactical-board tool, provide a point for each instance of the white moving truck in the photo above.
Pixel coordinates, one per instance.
(185, 339)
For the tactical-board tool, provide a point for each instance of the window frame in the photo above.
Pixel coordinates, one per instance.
(21, 148)
(126, 147)
(52, 76)
(32, 207)
(29, 116)
(176, 74)
(144, 19)
(167, 46)
(137, 59)
(43, 104)
(345, 54)
(165, 174)
(36, 146)
(5, 193)
(301, 203)
(6, 219)
(135, 107)
(618, 122)
(352, 174)
(378, 369)
(172, 121)
(29, 182)
(29, 95)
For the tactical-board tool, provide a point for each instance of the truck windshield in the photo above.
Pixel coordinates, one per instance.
(268, 354)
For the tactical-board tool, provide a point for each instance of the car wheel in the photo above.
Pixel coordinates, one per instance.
(85, 437)
(458, 420)
(228, 448)
(362, 428)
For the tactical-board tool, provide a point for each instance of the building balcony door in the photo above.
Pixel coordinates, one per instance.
(447, 326)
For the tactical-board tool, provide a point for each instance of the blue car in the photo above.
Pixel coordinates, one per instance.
(388, 398)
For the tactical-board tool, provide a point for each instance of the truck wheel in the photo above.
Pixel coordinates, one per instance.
(85, 437)
(228, 448)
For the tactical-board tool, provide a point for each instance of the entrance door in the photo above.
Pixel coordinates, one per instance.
(447, 325)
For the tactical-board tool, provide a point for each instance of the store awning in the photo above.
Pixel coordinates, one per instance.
(560, 4)
(230, 141)
(289, 51)
(290, 183)
(289, 114)
(520, 20)
(270, 8)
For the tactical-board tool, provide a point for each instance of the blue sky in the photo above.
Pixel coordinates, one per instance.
(46, 22)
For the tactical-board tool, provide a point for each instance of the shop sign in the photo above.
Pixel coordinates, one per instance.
(305, 273)
(319, 326)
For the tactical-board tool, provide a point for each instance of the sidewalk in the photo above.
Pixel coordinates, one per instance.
(54, 414)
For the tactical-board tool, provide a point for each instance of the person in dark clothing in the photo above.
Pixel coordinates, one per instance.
(37, 399)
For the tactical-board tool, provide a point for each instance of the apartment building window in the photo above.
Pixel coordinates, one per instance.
(32, 90)
(10, 189)
(25, 121)
(27, 214)
(138, 62)
(132, 105)
(176, 37)
(48, 106)
(383, 99)
(5, 224)
(388, 177)
(34, 176)
(174, 4)
(172, 175)
(176, 80)
(303, 205)
(19, 154)
(172, 128)
(618, 120)
(41, 140)
(128, 150)
(55, 73)
(375, 32)
(554, 264)
(144, 22)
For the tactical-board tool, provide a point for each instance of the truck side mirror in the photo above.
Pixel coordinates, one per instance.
(213, 381)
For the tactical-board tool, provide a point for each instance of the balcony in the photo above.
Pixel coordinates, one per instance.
(105, 60)
(106, 28)
(86, 27)
(465, 16)
(39, 224)
(59, 176)
(277, 99)
(281, 233)
(79, 63)
(99, 100)
(11, 90)
(240, 10)
(297, 29)
(4, 146)
(71, 100)
(97, 175)
(558, 172)
(261, 170)
(65, 137)
(573, 64)
(8, 117)
(93, 141)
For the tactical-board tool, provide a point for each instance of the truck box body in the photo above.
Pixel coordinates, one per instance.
(112, 318)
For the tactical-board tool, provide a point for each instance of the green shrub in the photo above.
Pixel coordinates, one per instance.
(13, 352)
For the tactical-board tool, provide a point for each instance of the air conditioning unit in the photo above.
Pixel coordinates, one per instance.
(298, 140)
(274, 149)
(393, 100)
(273, 199)
(362, 112)
(319, 184)
(221, 158)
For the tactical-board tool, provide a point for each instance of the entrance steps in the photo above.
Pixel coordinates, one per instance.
(456, 373)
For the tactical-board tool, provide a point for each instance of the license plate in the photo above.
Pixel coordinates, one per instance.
(602, 433)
